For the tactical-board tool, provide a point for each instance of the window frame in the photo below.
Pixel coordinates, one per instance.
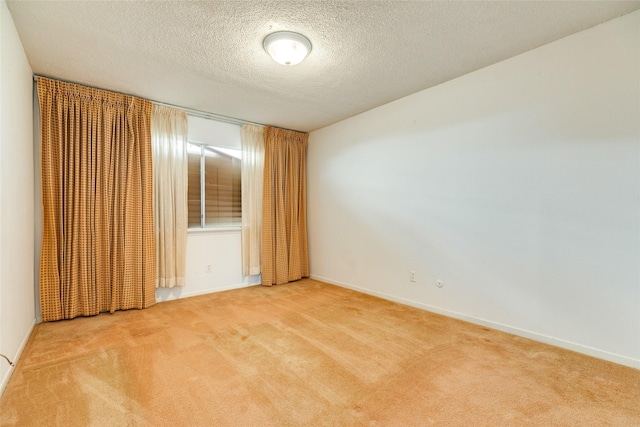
(203, 227)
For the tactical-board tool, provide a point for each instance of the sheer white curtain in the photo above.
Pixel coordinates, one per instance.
(252, 138)
(169, 148)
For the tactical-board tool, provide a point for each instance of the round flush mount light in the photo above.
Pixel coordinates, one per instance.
(286, 47)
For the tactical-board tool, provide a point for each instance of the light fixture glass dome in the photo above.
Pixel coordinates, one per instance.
(286, 47)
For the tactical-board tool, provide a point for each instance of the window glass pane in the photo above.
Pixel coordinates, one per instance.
(236, 188)
(193, 193)
(223, 196)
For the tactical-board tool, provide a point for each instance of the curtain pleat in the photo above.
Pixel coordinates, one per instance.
(169, 134)
(252, 138)
(97, 245)
(285, 253)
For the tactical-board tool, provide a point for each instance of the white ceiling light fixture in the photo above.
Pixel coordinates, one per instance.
(286, 47)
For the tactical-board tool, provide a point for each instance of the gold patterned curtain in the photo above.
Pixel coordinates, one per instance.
(285, 253)
(98, 242)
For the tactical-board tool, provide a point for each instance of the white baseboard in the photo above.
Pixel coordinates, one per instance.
(172, 296)
(15, 359)
(579, 348)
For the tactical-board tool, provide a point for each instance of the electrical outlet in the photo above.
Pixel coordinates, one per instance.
(439, 283)
(412, 276)
(209, 268)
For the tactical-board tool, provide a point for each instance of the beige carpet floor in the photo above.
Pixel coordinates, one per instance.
(305, 354)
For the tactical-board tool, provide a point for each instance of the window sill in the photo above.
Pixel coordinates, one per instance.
(208, 230)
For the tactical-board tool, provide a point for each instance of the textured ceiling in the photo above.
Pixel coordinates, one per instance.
(208, 55)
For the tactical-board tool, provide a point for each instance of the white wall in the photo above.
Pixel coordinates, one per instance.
(17, 313)
(219, 250)
(518, 185)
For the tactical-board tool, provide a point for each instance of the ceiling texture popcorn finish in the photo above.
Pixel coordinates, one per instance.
(208, 55)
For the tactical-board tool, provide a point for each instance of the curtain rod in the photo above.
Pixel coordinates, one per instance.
(211, 116)
(189, 111)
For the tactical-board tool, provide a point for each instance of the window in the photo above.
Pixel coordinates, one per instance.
(214, 194)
